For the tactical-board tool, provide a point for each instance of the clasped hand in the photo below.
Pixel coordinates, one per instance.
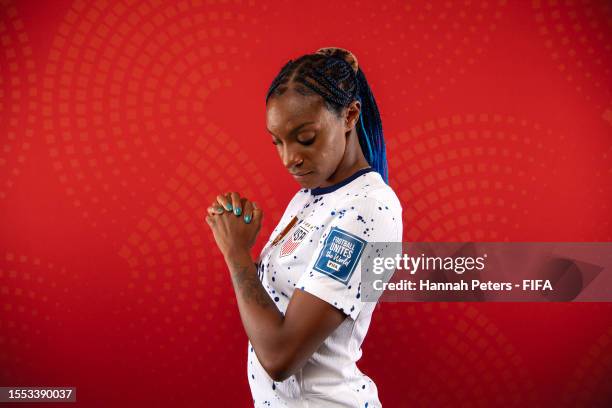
(235, 222)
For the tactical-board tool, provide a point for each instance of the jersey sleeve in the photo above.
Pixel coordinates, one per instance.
(334, 272)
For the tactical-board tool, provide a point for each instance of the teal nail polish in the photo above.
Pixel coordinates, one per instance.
(247, 219)
(229, 207)
(237, 210)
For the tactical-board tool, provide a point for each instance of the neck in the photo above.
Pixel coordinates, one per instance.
(352, 161)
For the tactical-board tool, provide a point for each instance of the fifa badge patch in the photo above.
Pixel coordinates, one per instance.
(340, 254)
(295, 239)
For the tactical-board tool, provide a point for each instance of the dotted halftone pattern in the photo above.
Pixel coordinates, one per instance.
(449, 347)
(173, 260)
(124, 96)
(607, 116)
(18, 88)
(124, 93)
(577, 35)
(425, 46)
(461, 44)
(463, 177)
(591, 382)
(120, 105)
(30, 300)
(436, 43)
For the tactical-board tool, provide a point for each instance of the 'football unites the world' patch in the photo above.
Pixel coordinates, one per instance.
(339, 255)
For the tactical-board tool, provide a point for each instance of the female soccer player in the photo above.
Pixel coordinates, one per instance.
(300, 302)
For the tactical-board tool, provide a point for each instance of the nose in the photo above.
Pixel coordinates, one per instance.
(291, 157)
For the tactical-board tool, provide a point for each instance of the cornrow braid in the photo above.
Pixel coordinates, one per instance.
(333, 73)
(281, 78)
(329, 79)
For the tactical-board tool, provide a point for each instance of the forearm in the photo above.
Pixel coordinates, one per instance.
(262, 320)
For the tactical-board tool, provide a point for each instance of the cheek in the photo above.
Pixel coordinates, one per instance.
(333, 150)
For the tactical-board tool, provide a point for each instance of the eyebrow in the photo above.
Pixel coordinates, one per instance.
(294, 130)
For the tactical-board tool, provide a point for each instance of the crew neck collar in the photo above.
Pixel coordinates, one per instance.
(334, 187)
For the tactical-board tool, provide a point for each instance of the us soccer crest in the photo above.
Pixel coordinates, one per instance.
(295, 239)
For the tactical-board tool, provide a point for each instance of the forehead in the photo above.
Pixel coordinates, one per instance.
(286, 111)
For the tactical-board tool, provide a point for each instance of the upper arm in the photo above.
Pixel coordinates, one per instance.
(308, 322)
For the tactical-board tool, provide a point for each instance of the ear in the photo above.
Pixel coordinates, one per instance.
(352, 115)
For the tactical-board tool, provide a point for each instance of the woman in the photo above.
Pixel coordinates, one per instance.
(300, 303)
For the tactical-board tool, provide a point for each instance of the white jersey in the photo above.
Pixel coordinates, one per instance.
(320, 255)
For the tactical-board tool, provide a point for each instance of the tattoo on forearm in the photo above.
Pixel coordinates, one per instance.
(247, 283)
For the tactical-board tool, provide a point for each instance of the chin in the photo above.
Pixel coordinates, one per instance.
(309, 183)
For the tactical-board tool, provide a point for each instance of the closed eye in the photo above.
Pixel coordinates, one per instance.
(308, 141)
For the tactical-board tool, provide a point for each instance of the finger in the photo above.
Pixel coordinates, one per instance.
(224, 202)
(209, 220)
(257, 215)
(248, 210)
(236, 203)
(215, 210)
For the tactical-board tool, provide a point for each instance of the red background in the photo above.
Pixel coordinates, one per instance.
(120, 120)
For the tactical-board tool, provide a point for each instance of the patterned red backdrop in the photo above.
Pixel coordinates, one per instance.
(120, 120)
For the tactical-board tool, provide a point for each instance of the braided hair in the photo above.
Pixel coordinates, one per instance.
(334, 74)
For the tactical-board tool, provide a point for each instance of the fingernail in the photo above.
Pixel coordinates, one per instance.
(237, 210)
(247, 219)
(219, 210)
(229, 207)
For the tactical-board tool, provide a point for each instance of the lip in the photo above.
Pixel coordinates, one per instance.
(301, 175)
